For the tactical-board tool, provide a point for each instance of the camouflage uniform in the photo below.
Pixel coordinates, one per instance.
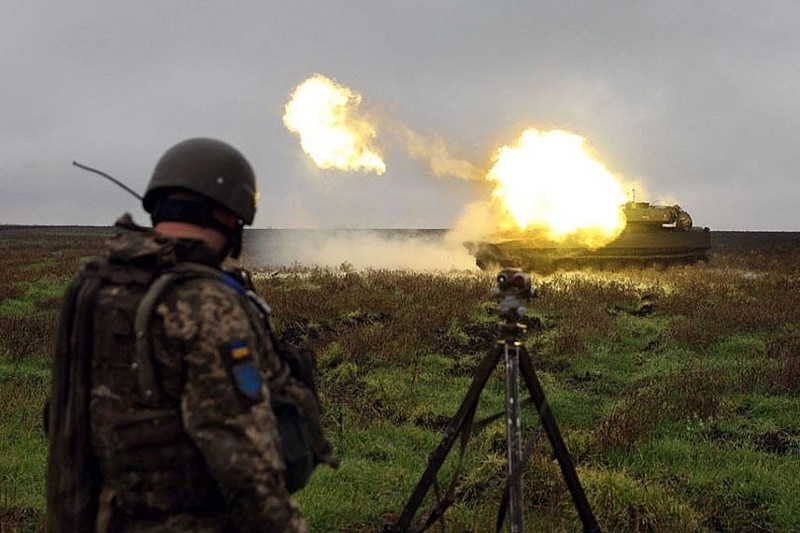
(206, 455)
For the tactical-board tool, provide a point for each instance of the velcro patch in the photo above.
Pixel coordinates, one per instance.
(247, 379)
(244, 371)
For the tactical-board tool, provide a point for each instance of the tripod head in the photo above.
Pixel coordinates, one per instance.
(513, 291)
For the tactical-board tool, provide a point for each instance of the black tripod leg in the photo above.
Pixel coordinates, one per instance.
(456, 425)
(559, 448)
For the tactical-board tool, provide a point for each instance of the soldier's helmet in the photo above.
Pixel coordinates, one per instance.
(211, 168)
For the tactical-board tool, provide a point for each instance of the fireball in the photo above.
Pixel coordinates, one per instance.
(549, 182)
(332, 132)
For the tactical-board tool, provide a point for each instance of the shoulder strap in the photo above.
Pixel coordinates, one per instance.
(148, 385)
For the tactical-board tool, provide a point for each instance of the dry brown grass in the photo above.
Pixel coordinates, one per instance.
(663, 349)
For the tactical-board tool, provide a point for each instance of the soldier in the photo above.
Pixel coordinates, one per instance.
(160, 418)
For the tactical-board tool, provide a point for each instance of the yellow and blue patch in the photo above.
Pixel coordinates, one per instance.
(244, 371)
(239, 350)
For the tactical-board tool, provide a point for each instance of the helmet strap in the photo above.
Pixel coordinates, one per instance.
(235, 240)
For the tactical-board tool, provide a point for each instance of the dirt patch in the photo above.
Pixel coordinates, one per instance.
(781, 441)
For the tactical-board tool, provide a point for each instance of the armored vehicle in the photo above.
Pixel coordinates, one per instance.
(654, 235)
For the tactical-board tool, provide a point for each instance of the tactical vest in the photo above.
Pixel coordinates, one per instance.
(149, 466)
(293, 391)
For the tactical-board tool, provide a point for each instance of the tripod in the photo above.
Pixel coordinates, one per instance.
(513, 290)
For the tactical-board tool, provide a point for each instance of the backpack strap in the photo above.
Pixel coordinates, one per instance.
(149, 389)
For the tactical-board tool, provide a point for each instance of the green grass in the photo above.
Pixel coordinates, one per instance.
(23, 450)
(625, 503)
(32, 291)
(732, 485)
(375, 462)
(676, 391)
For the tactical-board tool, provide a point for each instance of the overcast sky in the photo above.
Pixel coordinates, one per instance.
(698, 100)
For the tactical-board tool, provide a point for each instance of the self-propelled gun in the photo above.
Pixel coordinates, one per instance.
(656, 235)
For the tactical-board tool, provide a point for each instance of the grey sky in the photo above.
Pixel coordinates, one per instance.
(698, 100)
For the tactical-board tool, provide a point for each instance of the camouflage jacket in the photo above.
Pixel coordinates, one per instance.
(206, 455)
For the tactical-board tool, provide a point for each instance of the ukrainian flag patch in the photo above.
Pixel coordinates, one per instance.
(244, 371)
(239, 350)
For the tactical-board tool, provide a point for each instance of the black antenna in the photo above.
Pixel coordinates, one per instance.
(110, 178)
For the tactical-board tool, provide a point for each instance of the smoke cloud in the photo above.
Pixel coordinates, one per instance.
(336, 133)
(431, 250)
(434, 152)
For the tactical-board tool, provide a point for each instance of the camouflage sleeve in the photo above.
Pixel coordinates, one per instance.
(226, 406)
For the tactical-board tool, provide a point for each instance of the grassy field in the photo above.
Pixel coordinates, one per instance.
(677, 391)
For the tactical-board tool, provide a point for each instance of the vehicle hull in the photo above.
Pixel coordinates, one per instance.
(637, 246)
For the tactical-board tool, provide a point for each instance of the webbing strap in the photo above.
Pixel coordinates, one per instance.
(148, 385)
(481, 424)
(450, 496)
(459, 424)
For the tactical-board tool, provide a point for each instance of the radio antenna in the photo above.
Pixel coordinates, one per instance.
(110, 178)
